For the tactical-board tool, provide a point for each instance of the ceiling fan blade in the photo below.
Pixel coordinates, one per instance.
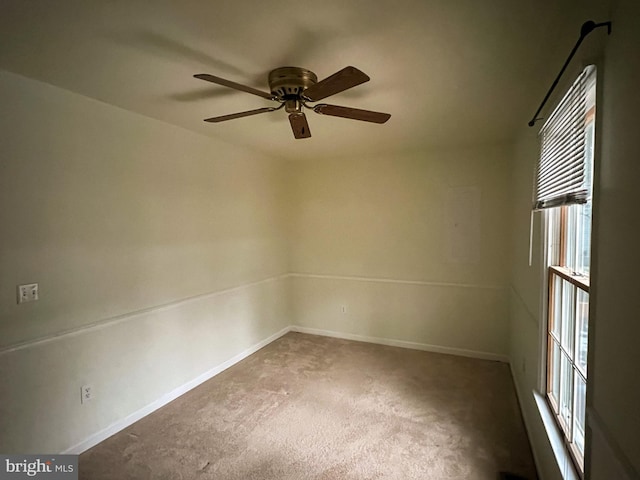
(299, 125)
(338, 82)
(352, 113)
(248, 113)
(230, 84)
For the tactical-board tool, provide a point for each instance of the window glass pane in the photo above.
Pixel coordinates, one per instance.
(566, 393)
(556, 312)
(576, 214)
(571, 234)
(553, 238)
(577, 255)
(579, 412)
(582, 330)
(554, 371)
(583, 239)
(568, 316)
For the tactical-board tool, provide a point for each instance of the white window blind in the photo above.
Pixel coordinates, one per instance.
(561, 177)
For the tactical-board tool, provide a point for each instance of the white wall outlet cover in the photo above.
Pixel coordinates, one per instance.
(86, 393)
(27, 292)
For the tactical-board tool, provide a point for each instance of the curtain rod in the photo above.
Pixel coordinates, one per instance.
(587, 27)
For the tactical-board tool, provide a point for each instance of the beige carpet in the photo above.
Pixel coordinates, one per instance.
(309, 407)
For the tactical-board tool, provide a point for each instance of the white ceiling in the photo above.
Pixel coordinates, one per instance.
(449, 71)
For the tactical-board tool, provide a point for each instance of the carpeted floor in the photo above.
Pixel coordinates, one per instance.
(309, 407)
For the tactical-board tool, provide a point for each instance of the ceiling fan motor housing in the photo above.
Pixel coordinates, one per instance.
(288, 83)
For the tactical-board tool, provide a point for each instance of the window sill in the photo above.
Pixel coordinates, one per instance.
(562, 455)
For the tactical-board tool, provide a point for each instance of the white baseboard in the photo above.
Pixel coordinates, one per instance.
(115, 427)
(527, 422)
(403, 344)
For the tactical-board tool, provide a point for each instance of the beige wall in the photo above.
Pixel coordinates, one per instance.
(613, 387)
(613, 446)
(169, 246)
(414, 247)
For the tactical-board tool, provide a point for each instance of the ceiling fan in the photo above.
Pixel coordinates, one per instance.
(293, 87)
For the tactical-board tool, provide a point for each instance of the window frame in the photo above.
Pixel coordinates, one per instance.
(552, 268)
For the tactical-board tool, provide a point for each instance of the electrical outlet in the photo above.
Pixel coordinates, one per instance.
(86, 393)
(343, 309)
(27, 292)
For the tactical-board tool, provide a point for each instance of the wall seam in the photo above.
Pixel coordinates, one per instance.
(532, 317)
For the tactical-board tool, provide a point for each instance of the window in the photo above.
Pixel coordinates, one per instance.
(567, 322)
(564, 193)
